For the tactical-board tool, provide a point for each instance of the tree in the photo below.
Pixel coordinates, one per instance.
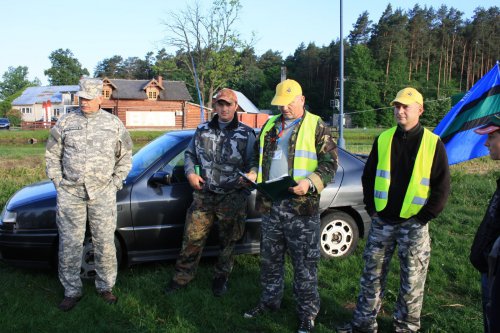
(13, 83)
(207, 43)
(360, 34)
(66, 69)
(14, 80)
(252, 82)
(110, 67)
(362, 86)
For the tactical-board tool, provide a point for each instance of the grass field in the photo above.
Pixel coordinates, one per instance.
(28, 298)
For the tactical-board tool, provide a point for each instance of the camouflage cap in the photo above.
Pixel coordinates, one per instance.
(90, 88)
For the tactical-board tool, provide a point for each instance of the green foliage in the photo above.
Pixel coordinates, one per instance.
(6, 104)
(66, 69)
(452, 301)
(362, 87)
(13, 81)
(435, 111)
(15, 117)
(207, 44)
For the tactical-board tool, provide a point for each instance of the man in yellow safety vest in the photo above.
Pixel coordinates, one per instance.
(406, 182)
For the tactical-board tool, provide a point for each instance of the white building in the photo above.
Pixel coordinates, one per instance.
(32, 100)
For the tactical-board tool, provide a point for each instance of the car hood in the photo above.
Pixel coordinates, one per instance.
(32, 193)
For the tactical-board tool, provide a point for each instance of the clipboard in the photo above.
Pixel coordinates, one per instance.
(274, 189)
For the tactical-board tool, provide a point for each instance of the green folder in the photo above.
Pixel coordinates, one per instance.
(274, 189)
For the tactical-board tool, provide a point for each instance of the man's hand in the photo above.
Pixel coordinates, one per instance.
(251, 175)
(301, 189)
(195, 181)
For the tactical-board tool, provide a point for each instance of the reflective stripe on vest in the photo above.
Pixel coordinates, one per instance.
(418, 189)
(305, 160)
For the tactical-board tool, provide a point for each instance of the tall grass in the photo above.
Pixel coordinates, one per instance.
(28, 298)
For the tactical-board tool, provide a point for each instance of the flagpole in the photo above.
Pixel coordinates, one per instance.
(341, 142)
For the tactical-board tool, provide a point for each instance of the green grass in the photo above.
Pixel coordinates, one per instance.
(28, 298)
(23, 137)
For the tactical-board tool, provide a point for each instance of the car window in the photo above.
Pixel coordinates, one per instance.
(176, 168)
(151, 153)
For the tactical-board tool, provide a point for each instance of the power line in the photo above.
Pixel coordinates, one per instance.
(391, 107)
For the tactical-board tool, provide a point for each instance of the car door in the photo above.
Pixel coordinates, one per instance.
(159, 210)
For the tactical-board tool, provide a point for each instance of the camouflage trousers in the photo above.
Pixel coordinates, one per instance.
(72, 215)
(413, 242)
(282, 230)
(207, 207)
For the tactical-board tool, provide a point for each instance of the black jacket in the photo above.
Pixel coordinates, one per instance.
(403, 154)
(487, 233)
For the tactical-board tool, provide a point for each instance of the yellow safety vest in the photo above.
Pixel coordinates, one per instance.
(418, 189)
(305, 161)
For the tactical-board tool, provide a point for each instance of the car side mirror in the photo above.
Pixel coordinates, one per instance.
(160, 178)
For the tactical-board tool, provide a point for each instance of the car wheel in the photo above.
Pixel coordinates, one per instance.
(87, 270)
(339, 235)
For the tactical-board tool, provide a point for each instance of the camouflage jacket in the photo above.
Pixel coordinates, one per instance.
(85, 153)
(326, 151)
(221, 154)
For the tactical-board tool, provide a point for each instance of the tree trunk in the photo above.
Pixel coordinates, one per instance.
(451, 56)
(462, 67)
(388, 65)
(439, 70)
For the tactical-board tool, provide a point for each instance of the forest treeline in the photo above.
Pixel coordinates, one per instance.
(436, 50)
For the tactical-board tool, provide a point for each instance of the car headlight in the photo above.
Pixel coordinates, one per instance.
(8, 219)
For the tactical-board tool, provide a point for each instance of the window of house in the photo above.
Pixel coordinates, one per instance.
(25, 110)
(106, 92)
(152, 93)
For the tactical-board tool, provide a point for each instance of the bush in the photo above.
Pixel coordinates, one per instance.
(15, 117)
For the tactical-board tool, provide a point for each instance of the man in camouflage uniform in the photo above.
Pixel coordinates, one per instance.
(406, 182)
(88, 156)
(221, 148)
(299, 144)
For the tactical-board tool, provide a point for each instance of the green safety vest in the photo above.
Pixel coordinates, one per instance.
(305, 160)
(418, 189)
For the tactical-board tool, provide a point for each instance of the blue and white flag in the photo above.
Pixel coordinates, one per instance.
(457, 127)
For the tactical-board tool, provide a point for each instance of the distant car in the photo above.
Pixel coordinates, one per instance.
(152, 207)
(4, 123)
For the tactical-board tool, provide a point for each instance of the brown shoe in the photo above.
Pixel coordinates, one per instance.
(68, 303)
(108, 297)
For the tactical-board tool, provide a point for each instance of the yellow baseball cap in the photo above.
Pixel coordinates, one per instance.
(286, 92)
(408, 96)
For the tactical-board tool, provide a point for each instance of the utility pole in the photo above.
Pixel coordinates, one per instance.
(283, 73)
(341, 142)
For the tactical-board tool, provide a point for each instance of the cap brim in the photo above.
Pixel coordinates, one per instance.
(282, 100)
(83, 94)
(405, 101)
(225, 100)
(487, 129)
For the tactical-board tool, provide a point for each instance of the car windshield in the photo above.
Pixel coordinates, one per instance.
(4, 120)
(150, 153)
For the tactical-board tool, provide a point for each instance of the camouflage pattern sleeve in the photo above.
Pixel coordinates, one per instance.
(53, 154)
(327, 156)
(250, 162)
(190, 159)
(123, 157)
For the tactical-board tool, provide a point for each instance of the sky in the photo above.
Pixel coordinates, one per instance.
(31, 30)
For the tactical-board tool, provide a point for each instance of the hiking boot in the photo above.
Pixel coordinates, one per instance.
(257, 311)
(69, 303)
(219, 286)
(173, 286)
(108, 297)
(306, 325)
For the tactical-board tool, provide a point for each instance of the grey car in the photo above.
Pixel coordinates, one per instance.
(151, 210)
